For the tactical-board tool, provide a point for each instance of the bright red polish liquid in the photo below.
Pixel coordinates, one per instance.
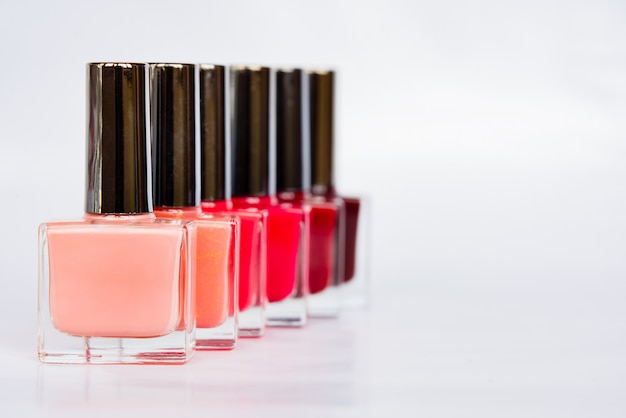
(283, 241)
(352, 207)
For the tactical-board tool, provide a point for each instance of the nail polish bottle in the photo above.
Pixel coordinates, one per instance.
(321, 108)
(215, 199)
(287, 256)
(116, 286)
(326, 216)
(172, 111)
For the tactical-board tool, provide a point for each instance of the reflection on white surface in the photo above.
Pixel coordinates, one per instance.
(431, 350)
(288, 367)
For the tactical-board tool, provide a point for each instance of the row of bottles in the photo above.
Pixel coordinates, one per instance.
(185, 244)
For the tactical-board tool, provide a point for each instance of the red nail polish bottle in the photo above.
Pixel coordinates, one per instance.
(326, 216)
(287, 255)
(321, 108)
(213, 194)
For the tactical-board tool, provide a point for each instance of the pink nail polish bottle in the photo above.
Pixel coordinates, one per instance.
(287, 255)
(216, 261)
(326, 216)
(321, 108)
(116, 286)
(216, 200)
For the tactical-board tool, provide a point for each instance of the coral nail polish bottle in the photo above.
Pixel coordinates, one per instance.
(326, 216)
(287, 255)
(213, 192)
(116, 286)
(172, 111)
(321, 108)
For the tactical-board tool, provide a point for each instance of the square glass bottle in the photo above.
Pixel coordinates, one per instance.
(286, 235)
(116, 286)
(326, 217)
(215, 200)
(216, 260)
(354, 276)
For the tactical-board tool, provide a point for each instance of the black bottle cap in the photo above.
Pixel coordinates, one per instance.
(289, 130)
(212, 133)
(117, 164)
(172, 114)
(250, 130)
(321, 91)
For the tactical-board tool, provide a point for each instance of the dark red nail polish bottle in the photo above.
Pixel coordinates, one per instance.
(321, 108)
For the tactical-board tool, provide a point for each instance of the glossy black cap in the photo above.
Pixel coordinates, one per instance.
(250, 130)
(212, 133)
(321, 108)
(289, 130)
(172, 114)
(117, 159)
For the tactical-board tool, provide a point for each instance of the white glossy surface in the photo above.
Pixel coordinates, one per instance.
(433, 352)
(490, 137)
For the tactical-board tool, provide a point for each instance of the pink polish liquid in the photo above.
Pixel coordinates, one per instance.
(97, 269)
(108, 283)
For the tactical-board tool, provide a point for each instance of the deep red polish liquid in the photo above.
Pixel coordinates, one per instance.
(322, 235)
(250, 264)
(352, 207)
(352, 220)
(284, 225)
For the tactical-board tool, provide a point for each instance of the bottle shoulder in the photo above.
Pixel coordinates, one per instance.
(118, 224)
(195, 215)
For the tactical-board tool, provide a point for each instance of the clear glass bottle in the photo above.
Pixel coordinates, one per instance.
(326, 216)
(286, 235)
(116, 286)
(354, 273)
(216, 200)
(174, 175)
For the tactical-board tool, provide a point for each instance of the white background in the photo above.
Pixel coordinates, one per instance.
(490, 137)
